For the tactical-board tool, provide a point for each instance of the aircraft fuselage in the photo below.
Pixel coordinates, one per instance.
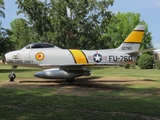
(57, 57)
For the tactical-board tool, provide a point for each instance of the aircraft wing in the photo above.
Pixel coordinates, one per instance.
(76, 65)
(66, 71)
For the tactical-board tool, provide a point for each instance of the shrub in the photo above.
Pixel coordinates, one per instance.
(133, 66)
(157, 64)
(127, 66)
(145, 61)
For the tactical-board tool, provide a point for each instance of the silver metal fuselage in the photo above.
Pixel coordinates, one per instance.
(55, 57)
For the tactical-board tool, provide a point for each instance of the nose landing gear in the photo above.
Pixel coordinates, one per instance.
(12, 76)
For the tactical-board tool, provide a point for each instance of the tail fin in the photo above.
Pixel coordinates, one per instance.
(133, 41)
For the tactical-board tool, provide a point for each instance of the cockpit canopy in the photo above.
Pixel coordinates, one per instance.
(40, 45)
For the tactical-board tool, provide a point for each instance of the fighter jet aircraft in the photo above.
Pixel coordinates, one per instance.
(71, 63)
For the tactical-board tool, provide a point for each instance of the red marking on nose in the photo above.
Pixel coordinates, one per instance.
(39, 55)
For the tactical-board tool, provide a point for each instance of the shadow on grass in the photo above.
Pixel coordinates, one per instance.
(47, 103)
(149, 80)
(89, 83)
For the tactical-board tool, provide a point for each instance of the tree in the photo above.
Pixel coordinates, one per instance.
(5, 44)
(70, 23)
(2, 8)
(37, 13)
(2, 30)
(22, 34)
(1, 15)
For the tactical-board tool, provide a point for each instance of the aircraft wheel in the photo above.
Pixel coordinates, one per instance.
(70, 80)
(12, 77)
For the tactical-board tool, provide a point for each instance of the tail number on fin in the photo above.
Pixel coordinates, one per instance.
(120, 58)
(126, 47)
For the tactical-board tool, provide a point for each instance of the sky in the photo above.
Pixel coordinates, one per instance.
(148, 9)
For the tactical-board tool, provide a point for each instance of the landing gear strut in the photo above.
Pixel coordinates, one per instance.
(70, 80)
(12, 76)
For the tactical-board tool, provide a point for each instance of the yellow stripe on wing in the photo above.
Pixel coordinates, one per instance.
(79, 56)
(135, 37)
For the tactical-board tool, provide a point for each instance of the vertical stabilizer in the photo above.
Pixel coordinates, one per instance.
(133, 41)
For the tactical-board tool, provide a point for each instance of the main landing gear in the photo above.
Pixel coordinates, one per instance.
(70, 80)
(12, 76)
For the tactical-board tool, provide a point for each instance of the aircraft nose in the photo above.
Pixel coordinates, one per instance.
(10, 56)
(7, 57)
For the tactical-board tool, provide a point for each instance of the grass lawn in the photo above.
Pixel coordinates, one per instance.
(120, 94)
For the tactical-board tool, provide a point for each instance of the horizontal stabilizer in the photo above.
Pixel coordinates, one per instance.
(140, 51)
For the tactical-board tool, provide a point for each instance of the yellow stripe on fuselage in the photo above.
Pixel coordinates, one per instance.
(135, 37)
(79, 56)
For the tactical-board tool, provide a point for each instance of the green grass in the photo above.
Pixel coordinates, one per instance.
(83, 102)
(122, 72)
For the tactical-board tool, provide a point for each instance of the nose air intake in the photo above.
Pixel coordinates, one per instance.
(11, 56)
(7, 57)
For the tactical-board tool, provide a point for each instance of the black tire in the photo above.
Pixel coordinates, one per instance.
(70, 80)
(12, 77)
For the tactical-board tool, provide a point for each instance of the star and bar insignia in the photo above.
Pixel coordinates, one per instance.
(97, 57)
